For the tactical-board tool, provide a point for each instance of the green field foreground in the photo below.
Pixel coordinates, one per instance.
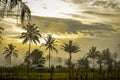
(59, 76)
(33, 76)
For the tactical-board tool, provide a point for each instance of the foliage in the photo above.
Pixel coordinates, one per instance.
(31, 35)
(50, 45)
(70, 48)
(37, 57)
(9, 52)
(83, 63)
(1, 29)
(23, 9)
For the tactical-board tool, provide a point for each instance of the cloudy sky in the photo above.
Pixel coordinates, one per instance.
(87, 22)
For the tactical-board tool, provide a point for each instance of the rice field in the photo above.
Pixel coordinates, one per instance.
(59, 76)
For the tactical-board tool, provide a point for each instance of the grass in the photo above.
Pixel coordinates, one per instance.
(56, 76)
(33, 74)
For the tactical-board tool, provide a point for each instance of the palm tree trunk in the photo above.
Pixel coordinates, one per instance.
(49, 58)
(10, 60)
(70, 66)
(70, 59)
(93, 68)
(29, 46)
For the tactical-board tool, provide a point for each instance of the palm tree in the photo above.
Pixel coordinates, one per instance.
(100, 60)
(83, 64)
(70, 48)
(108, 58)
(9, 52)
(22, 7)
(93, 54)
(114, 56)
(31, 35)
(1, 29)
(50, 46)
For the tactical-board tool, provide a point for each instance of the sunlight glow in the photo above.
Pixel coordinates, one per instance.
(51, 8)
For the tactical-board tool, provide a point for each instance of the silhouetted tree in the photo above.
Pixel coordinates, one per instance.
(70, 48)
(108, 58)
(50, 46)
(37, 57)
(114, 56)
(9, 5)
(100, 61)
(93, 54)
(31, 35)
(9, 52)
(83, 63)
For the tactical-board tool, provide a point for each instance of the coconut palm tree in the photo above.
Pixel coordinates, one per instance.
(70, 47)
(23, 9)
(50, 46)
(1, 29)
(100, 60)
(114, 56)
(31, 35)
(9, 52)
(93, 54)
(108, 58)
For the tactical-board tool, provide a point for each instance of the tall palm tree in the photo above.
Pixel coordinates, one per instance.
(93, 54)
(50, 46)
(1, 29)
(23, 9)
(31, 35)
(108, 58)
(100, 60)
(9, 52)
(70, 47)
(114, 56)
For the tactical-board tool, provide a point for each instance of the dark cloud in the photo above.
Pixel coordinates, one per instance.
(107, 4)
(55, 25)
(112, 4)
(68, 25)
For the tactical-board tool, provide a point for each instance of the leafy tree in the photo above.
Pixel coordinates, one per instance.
(37, 57)
(107, 57)
(50, 46)
(83, 63)
(70, 47)
(31, 35)
(1, 29)
(9, 52)
(22, 8)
